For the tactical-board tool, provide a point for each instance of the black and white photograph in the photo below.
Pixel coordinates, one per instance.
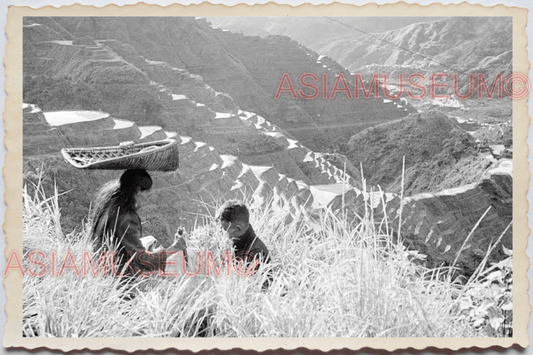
(267, 177)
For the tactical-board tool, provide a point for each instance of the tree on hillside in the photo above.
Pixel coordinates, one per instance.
(48, 93)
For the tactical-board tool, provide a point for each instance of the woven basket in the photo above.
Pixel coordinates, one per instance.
(159, 155)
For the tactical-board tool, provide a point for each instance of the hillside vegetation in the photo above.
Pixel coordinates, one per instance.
(182, 79)
(438, 154)
(349, 258)
(134, 101)
(332, 278)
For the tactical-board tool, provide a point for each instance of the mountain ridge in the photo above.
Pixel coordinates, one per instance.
(463, 43)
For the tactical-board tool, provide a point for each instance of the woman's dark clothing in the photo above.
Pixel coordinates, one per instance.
(122, 232)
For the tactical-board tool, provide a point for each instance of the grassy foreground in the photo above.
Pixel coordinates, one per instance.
(332, 278)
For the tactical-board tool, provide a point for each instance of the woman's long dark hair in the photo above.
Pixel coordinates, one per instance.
(117, 197)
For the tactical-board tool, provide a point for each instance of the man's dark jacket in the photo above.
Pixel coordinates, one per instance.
(248, 247)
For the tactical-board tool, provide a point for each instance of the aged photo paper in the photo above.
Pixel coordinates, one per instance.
(267, 177)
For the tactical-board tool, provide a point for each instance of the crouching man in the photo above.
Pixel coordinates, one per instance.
(250, 251)
(234, 218)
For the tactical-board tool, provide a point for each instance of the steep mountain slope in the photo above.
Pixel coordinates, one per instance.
(128, 58)
(435, 224)
(205, 176)
(313, 32)
(463, 43)
(138, 78)
(438, 154)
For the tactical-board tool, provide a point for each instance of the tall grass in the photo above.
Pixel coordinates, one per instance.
(333, 277)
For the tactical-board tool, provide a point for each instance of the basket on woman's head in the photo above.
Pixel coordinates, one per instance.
(159, 155)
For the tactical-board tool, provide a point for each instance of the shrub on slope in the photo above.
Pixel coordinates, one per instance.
(442, 173)
(432, 143)
(122, 95)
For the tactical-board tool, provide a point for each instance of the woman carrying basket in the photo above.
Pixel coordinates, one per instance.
(116, 226)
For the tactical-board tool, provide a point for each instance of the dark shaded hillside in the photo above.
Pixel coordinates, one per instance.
(266, 165)
(474, 45)
(277, 55)
(111, 76)
(438, 154)
(116, 64)
(180, 42)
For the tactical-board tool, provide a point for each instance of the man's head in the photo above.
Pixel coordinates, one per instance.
(234, 218)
